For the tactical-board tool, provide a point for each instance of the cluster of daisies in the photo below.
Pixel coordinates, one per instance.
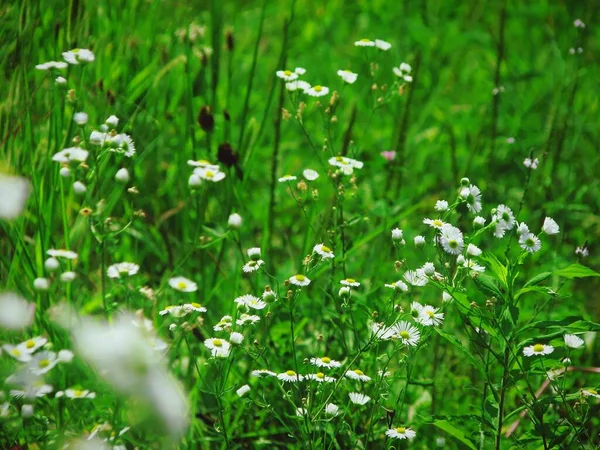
(203, 172)
(74, 57)
(28, 379)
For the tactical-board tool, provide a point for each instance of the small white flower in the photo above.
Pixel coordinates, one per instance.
(26, 411)
(382, 45)
(590, 393)
(42, 362)
(317, 91)
(428, 269)
(325, 361)
(41, 284)
(400, 433)
(538, 349)
(550, 226)
(60, 81)
(122, 175)
(404, 332)
(252, 266)
(347, 75)
(531, 163)
(112, 121)
(345, 292)
(175, 311)
(209, 174)
(573, 341)
(287, 178)
(522, 228)
(419, 241)
(578, 23)
(364, 43)
(219, 348)
(357, 374)
(403, 71)
(320, 377)
(441, 205)
(310, 175)
(260, 373)
(195, 307)
(429, 316)
(505, 217)
(397, 234)
(67, 277)
(203, 164)
(350, 282)
(434, 223)
(51, 65)
(451, 239)
(473, 250)
(347, 165)
(182, 284)
(530, 242)
(398, 286)
(472, 265)
(478, 222)
(71, 154)
(77, 393)
(80, 118)
(286, 75)
(414, 278)
(472, 195)
(446, 297)
(236, 338)
(250, 301)
(253, 253)
(17, 352)
(290, 377)
(234, 221)
(299, 280)
(332, 409)
(359, 399)
(78, 55)
(297, 85)
(243, 390)
(122, 269)
(65, 356)
(17, 313)
(31, 345)
(582, 251)
(300, 70)
(247, 318)
(79, 188)
(323, 251)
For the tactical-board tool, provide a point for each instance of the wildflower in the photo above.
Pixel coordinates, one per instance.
(182, 284)
(26, 411)
(320, 377)
(71, 154)
(405, 333)
(478, 222)
(345, 292)
(175, 311)
(76, 393)
(41, 284)
(388, 155)
(42, 362)
(530, 242)
(498, 229)
(65, 356)
(531, 163)
(578, 23)
(122, 175)
(236, 338)
(252, 266)
(203, 164)
(419, 241)
(441, 205)
(582, 251)
(332, 409)
(32, 390)
(310, 175)
(286, 75)
(51, 65)
(17, 313)
(299, 280)
(209, 175)
(451, 239)
(17, 352)
(429, 316)
(472, 195)
(400, 433)
(79, 188)
(325, 361)
(60, 81)
(398, 286)
(31, 345)
(300, 70)
(357, 374)
(260, 373)
(219, 348)
(78, 55)
(268, 295)
(550, 226)
(122, 269)
(505, 217)
(80, 118)
(348, 76)
(350, 282)
(472, 265)
(195, 307)
(538, 349)
(359, 399)
(364, 43)
(347, 165)
(473, 250)
(590, 393)
(247, 318)
(317, 91)
(428, 269)
(522, 228)
(397, 234)
(434, 223)
(403, 71)
(573, 341)
(289, 377)
(297, 85)
(234, 221)
(250, 301)
(243, 390)
(112, 121)
(323, 251)
(382, 45)
(415, 278)
(286, 178)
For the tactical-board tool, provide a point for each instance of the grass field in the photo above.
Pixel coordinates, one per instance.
(299, 224)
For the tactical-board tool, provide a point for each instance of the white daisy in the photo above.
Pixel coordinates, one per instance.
(17, 313)
(473, 250)
(332, 409)
(398, 286)
(196, 307)
(429, 316)
(348, 76)
(60, 81)
(472, 265)
(320, 377)
(359, 399)
(290, 377)
(122, 269)
(31, 345)
(522, 228)
(405, 333)
(287, 178)
(365, 43)
(550, 226)
(78, 55)
(573, 341)
(67, 254)
(300, 70)
(325, 361)
(400, 433)
(451, 239)
(538, 349)
(472, 195)
(243, 390)
(182, 284)
(403, 71)
(15, 192)
(209, 175)
(382, 45)
(297, 85)
(219, 348)
(434, 223)
(51, 65)
(235, 220)
(317, 91)
(505, 217)
(415, 278)
(350, 282)
(299, 280)
(590, 393)
(530, 242)
(33, 390)
(347, 165)
(260, 373)
(323, 251)
(175, 311)
(65, 356)
(77, 393)
(287, 75)
(397, 234)
(252, 266)
(42, 362)
(531, 163)
(357, 374)
(250, 301)
(203, 164)
(16, 352)
(441, 205)
(310, 175)
(247, 318)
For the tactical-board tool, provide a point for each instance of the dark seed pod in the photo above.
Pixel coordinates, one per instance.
(226, 115)
(226, 155)
(206, 119)
(230, 40)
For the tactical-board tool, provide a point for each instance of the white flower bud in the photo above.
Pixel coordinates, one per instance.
(419, 241)
(80, 118)
(236, 338)
(67, 277)
(195, 180)
(51, 264)
(397, 234)
(122, 176)
(235, 220)
(41, 284)
(79, 188)
(26, 411)
(60, 81)
(65, 172)
(112, 121)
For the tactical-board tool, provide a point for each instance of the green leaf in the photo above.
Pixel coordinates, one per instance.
(455, 432)
(488, 286)
(539, 289)
(576, 271)
(496, 267)
(463, 350)
(572, 323)
(538, 279)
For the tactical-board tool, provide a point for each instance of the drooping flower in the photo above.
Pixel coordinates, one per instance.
(573, 341)
(357, 374)
(358, 398)
(550, 226)
(382, 45)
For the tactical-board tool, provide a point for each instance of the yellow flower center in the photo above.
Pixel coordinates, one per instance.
(326, 360)
(365, 40)
(290, 373)
(321, 375)
(196, 305)
(325, 249)
(30, 344)
(350, 280)
(77, 393)
(438, 223)
(182, 285)
(318, 88)
(16, 352)
(404, 334)
(287, 73)
(347, 71)
(209, 174)
(359, 372)
(44, 363)
(217, 343)
(300, 277)
(538, 348)
(430, 314)
(592, 391)
(203, 162)
(400, 430)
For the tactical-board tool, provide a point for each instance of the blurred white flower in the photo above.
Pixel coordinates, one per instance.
(15, 192)
(16, 313)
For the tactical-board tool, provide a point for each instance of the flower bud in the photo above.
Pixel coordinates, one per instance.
(235, 220)
(122, 176)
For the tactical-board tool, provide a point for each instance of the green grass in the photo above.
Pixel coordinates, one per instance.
(445, 125)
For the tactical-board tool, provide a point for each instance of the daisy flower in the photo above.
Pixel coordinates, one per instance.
(250, 301)
(538, 349)
(403, 71)
(203, 164)
(122, 269)
(441, 205)
(472, 195)
(428, 316)
(224, 323)
(42, 362)
(505, 217)
(299, 280)
(365, 43)
(323, 251)
(247, 318)
(182, 284)
(332, 409)
(451, 239)
(434, 223)
(348, 76)
(347, 165)
(287, 75)
(310, 174)
(415, 278)
(260, 373)
(350, 282)
(359, 399)
(289, 377)
(78, 55)
(36, 389)
(472, 265)
(357, 374)
(473, 250)
(67, 254)
(16, 352)
(297, 85)
(196, 307)
(550, 226)
(400, 433)
(325, 361)
(398, 286)
(405, 333)
(252, 266)
(243, 390)
(382, 45)
(320, 377)
(522, 228)
(530, 242)
(287, 178)
(175, 311)
(573, 341)
(31, 345)
(76, 393)
(300, 70)
(209, 175)
(51, 65)
(590, 393)
(15, 192)
(317, 91)
(428, 269)
(419, 241)
(219, 348)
